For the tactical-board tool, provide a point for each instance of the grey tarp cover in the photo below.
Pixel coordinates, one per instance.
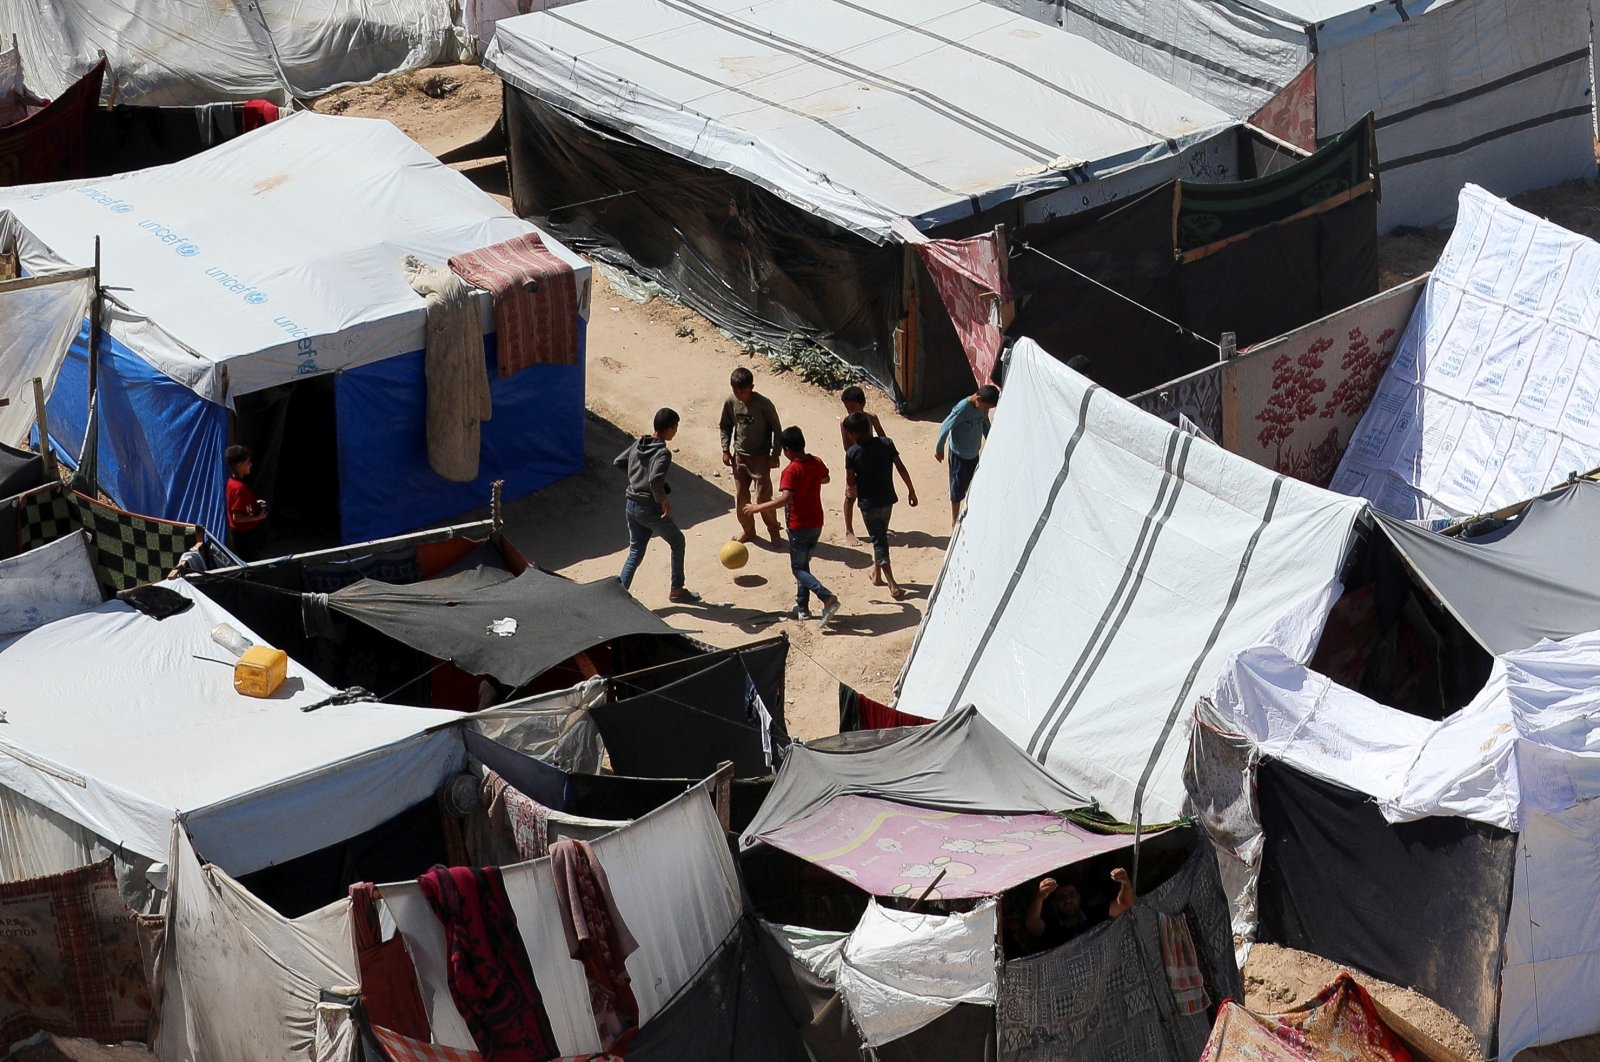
(1104, 996)
(451, 617)
(1537, 578)
(19, 471)
(962, 762)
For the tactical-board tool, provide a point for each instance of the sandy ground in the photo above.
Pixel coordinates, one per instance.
(641, 357)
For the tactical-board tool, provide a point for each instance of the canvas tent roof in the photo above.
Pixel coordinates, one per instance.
(1491, 396)
(1519, 757)
(960, 763)
(1106, 566)
(270, 257)
(124, 723)
(932, 110)
(1537, 578)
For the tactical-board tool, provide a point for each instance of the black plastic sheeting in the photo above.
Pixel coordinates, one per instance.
(752, 262)
(450, 618)
(730, 1012)
(684, 729)
(1277, 276)
(1421, 903)
(19, 471)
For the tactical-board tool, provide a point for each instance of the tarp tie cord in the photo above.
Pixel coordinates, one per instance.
(352, 695)
(1188, 334)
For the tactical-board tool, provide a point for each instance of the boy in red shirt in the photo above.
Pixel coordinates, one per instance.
(245, 513)
(800, 489)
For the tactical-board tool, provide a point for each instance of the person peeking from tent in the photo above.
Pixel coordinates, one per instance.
(1056, 911)
(648, 502)
(965, 428)
(246, 513)
(750, 429)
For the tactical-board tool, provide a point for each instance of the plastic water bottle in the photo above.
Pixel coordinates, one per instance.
(228, 636)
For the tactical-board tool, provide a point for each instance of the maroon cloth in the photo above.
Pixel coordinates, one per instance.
(598, 938)
(875, 716)
(52, 144)
(389, 993)
(972, 283)
(538, 327)
(491, 979)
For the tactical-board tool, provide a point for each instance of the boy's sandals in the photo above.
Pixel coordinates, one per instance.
(682, 596)
(828, 613)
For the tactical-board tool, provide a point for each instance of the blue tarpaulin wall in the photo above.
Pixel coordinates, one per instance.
(534, 438)
(160, 446)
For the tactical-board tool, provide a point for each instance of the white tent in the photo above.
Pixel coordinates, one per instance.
(1493, 395)
(933, 110)
(1521, 756)
(126, 725)
(1491, 91)
(269, 260)
(184, 53)
(1107, 565)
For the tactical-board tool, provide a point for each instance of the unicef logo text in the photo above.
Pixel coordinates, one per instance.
(249, 293)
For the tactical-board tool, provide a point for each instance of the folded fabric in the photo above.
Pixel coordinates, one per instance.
(491, 979)
(1183, 965)
(535, 297)
(598, 938)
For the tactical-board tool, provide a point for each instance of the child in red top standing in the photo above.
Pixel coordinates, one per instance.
(245, 513)
(800, 489)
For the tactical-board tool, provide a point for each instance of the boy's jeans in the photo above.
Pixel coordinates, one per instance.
(876, 521)
(802, 543)
(644, 520)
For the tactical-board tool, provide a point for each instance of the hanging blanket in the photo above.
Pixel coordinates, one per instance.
(491, 980)
(598, 938)
(454, 369)
(389, 992)
(535, 301)
(1340, 1023)
(1188, 984)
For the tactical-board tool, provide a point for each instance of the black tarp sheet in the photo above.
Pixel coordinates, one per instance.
(1420, 903)
(450, 618)
(752, 262)
(685, 728)
(730, 1012)
(1537, 577)
(19, 471)
(1278, 274)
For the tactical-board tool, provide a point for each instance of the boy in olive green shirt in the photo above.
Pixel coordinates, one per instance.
(750, 447)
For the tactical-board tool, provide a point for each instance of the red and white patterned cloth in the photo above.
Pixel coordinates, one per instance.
(971, 282)
(538, 327)
(1178, 955)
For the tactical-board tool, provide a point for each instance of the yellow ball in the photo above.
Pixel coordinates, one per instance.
(735, 555)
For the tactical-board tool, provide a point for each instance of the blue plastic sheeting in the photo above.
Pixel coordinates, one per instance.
(161, 444)
(385, 484)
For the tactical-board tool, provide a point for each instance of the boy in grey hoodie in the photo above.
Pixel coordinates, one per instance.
(649, 507)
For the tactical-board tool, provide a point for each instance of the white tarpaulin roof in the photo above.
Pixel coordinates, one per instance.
(123, 723)
(1493, 395)
(1522, 756)
(184, 53)
(273, 256)
(1107, 565)
(859, 112)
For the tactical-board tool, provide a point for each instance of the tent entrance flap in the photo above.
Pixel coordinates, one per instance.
(293, 435)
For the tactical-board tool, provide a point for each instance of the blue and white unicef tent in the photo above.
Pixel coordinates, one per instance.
(271, 260)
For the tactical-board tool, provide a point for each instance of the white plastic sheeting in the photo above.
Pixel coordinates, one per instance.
(38, 320)
(46, 584)
(554, 727)
(242, 982)
(1493, 395)
(899, 971)
(1106, 567)
(273, 256)
(184, 53)
(1521, 756)
(122, 723)
(861, 113)
(675, 886)
(1490, 91)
